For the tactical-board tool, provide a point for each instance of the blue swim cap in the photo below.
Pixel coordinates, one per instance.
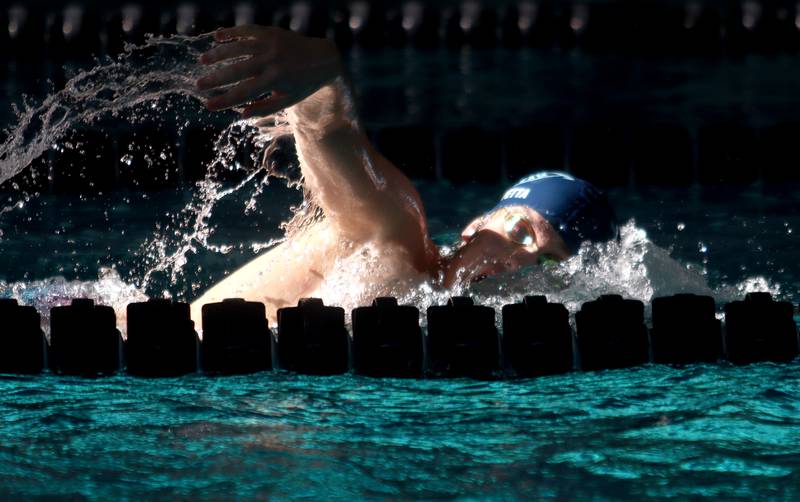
(578, 210)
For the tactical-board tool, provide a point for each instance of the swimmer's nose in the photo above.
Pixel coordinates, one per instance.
(484, 255)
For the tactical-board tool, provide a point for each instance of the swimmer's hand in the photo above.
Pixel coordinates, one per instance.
(271, 69)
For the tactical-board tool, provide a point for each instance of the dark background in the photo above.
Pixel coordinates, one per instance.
(623, 92)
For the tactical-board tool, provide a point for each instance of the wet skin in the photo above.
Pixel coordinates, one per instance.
(365, 198)
(489, 249)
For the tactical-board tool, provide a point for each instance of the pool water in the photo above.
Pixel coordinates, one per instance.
(658, 431)
(711, 431)
(700, 431)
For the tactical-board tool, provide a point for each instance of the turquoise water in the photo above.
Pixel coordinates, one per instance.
(702, 431)
(716, 430)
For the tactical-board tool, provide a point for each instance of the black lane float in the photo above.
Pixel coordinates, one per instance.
(760, 329)
(162, 340)
(537, 337)
(84, 339)
(611, 333)
(461, 340)
(387, 340)
(685, 330)
(23, 346)
(236, 337)
(312, 339)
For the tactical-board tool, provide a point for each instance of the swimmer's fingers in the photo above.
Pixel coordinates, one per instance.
(263, 107)
(244, 91)
(243, 31)
(230, 50)
(232, 73)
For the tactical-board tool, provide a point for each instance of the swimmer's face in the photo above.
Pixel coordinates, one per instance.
(504, 240)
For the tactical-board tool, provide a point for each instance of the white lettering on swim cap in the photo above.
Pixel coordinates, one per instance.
(541, 176)
(516, 193)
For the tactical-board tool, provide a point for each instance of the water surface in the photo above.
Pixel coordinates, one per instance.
(712, 431)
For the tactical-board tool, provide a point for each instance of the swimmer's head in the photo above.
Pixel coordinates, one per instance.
(543, 217)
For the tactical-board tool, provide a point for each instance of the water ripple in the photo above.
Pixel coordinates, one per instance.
(654, 431)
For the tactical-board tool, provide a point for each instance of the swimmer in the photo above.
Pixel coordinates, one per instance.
(365, 199)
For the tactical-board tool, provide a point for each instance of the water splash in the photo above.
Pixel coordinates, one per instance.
(136, 87)
(108, 289)
(634, 267)
(142, 74)
(164, 67)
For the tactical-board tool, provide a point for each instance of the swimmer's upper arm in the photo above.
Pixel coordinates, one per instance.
(364, 196)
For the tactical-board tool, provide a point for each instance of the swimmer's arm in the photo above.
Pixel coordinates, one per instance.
(364, 196)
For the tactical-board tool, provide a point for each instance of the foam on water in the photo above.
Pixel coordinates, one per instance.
(108, 289)
(163, 67)
(634, 267)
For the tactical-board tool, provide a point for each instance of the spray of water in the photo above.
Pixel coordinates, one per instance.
(136, 87)
(142, 74)
(634, 267)
(145, 74)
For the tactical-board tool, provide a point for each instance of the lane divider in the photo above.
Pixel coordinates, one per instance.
(461, 339)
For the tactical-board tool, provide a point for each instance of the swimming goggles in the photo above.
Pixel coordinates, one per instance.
(519, 230)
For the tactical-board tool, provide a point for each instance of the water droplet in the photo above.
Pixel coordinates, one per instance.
(702, 247)
(681, 226)
(126, 159)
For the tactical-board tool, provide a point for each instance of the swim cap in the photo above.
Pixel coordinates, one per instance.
(578, 210)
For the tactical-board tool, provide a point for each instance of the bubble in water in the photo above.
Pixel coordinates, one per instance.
(681, 226)
(702, 247)
(126, 159)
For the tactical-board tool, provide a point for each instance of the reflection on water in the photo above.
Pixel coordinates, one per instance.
(655, 431)
(651, 431)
